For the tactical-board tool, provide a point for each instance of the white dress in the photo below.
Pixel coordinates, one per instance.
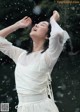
(32, 72)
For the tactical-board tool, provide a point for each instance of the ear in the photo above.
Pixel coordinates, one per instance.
(46, 37)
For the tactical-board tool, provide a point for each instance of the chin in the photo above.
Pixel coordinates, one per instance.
(33, 34)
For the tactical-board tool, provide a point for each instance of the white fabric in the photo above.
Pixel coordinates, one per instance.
(31, 98)
(33, 70)
(10, 50)
(44, 105)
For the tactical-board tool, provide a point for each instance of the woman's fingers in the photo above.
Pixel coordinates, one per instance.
(29, 19)
(55, 11)
(26, 21)
(56, 15)
(25, 17)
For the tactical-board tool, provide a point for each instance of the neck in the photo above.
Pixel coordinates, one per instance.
(37, 45)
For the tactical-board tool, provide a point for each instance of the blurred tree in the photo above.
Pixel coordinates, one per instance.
(67, 71)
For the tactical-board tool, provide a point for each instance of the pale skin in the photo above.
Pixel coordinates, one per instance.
(38, 32)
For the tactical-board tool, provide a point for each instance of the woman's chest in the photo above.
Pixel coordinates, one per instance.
(34, 62)
(33, 66)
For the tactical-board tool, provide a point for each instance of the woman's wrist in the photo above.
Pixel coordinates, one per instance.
(56, 16)
(15, 27)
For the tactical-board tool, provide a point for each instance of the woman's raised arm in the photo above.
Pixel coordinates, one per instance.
(25, 22)
(56, 40)
(6, 47)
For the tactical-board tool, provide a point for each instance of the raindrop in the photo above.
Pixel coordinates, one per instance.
(77, 110)
(3, 95)
(5, 18)
(59, 94)
(18, 42)
(1, 59)
(25, 10)
(11, 67)
(15, 3)
(63, 86)
(9, 99)
(18, 3)
(14, 89)
(69, 93)
(73, 8)
(21, 12)
(73, 98)
(9, 5)
(3, 82)
(18, 9)
(5, 77)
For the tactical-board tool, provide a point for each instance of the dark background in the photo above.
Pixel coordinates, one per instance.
(66, 73)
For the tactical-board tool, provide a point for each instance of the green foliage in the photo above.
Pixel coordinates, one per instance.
(66, 71)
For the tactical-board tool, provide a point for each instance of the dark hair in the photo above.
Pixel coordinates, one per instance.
(46, 43)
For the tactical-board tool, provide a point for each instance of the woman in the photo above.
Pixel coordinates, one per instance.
(33, 69)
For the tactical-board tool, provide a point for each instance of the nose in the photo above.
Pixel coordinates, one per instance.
(36, 25)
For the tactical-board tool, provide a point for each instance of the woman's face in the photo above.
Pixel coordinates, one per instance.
(40, 30)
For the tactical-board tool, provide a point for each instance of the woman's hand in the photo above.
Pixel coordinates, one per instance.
(55, 16)
(23, 23)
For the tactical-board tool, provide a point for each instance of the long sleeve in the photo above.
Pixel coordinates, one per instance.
(56, 41)
(10, 50)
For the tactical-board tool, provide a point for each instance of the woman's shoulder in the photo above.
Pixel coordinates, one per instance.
(21, 56)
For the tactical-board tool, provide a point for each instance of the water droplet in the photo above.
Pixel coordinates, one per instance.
(59, 94)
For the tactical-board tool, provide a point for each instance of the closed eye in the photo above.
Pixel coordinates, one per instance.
(42, 24)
